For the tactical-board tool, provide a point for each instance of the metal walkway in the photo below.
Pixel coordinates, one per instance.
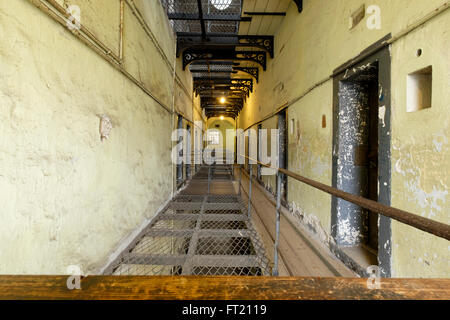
(205, 230)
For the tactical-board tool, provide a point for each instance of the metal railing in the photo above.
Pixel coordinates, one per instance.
(436, 228)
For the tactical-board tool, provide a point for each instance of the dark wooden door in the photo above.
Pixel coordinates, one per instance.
(372, 162)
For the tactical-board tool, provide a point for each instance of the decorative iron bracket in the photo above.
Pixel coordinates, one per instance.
(262, 42)
(259, 57)
(254, 72)
(221, 82)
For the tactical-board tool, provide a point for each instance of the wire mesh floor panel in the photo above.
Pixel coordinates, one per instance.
(197, 235)
(200, 187)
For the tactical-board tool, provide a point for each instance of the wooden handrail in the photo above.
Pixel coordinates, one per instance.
(436, 228)
(219, 288)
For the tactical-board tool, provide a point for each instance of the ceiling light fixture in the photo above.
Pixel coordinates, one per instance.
(223, 100)
(221, 4)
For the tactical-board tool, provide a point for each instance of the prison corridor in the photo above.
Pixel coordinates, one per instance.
(116, 117)
(205, 230)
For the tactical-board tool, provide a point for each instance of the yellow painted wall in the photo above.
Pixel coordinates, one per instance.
(308, 47)
(66, 197)
(421, 152)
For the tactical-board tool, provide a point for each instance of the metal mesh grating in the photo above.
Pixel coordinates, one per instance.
(222, 211)
(212, 67)
(225, 246)
(186, 26)
(223, 225)
(218, 7)
(197, 235)
(211, 75)
(222, 7)
(214, 173)
(184, 12)
(185, 198)
(178, 6)
(224, 66)
(232, 271)
(223, 199)
(231, 27)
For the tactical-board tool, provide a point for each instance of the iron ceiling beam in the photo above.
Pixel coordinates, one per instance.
(299, 4)
(219, 108)
(218, 114)
(220, 111)
(201, 90)
(202, 21)
(190, 56)
(235, 101)
(239, 83)
(226, 93)
(230, 97)
(210, 34)
(208, 17)
(221, 87)
(220, 82)
(265, 13)
(247, 82)
(206, 73)
(217, 64)
(264, 42)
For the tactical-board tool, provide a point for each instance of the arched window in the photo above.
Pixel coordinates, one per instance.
(213, 137)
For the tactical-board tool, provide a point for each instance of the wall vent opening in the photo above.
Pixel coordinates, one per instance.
(292, 126)
(357, 16)
(419, 90)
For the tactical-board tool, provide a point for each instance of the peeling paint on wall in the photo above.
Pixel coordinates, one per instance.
(353, 133)
(312, 222)
(382, 114)
(431, 196)
(67, 198)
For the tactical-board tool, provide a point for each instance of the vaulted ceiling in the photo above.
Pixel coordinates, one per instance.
(226, 45)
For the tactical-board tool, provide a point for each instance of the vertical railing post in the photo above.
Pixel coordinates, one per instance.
(250, 192)
(277, 225)
(209, 178)
(240, 179)
(232, 171)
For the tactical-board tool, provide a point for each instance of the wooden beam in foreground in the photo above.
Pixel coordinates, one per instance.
(219, 288)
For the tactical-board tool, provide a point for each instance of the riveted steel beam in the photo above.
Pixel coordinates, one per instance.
(260, 13)
(264, 42)
(190, 56)
(207, 17)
